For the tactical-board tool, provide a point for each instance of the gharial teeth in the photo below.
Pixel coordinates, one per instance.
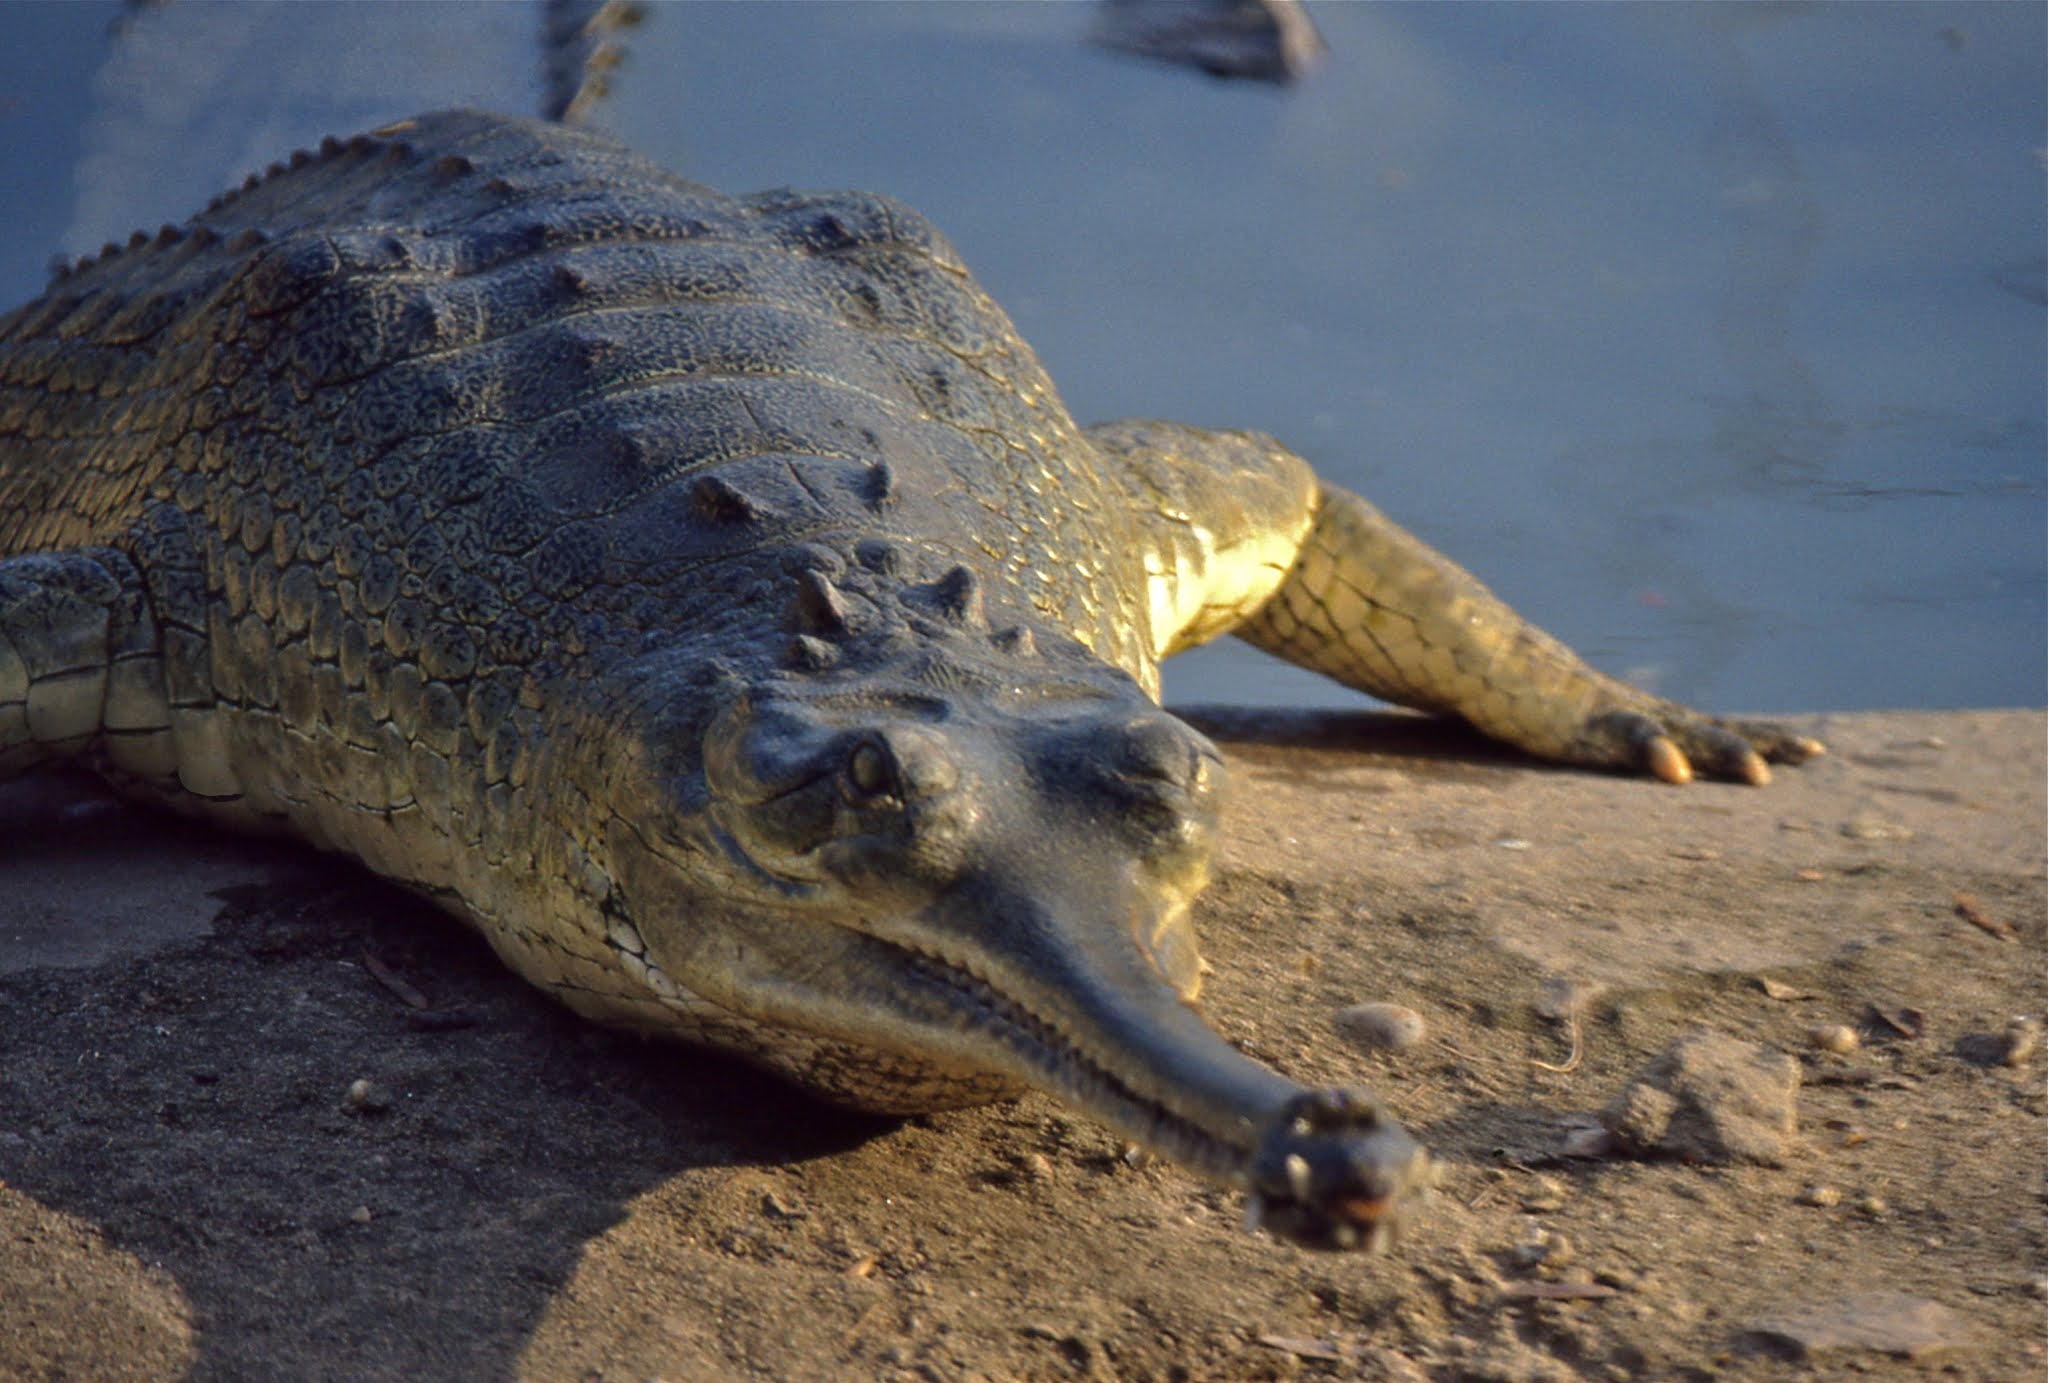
(1300, 1180)
(1254, 1212)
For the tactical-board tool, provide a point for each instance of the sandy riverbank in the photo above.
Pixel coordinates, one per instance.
(185, 1190)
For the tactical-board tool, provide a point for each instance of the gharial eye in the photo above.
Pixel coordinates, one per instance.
(869, 771)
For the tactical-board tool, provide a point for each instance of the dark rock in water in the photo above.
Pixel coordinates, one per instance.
(1265, 40)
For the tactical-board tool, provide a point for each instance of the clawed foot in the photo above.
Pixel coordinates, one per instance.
(1675, 744)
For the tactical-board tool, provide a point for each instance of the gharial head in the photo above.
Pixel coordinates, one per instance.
(938, 880)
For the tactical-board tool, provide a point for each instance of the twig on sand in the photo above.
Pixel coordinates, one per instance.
(1973, 913)
(1571, 1063)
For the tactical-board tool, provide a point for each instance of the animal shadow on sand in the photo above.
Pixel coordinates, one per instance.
(194, 1105)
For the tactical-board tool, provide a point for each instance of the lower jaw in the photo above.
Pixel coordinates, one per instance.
(874, 1081)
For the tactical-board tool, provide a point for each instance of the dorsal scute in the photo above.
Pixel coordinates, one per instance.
(203, 227)
(958, 596)
(818, 607)
(834, 223)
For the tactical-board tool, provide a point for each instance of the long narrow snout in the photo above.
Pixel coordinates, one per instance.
(949, 900)
(1074, 1009)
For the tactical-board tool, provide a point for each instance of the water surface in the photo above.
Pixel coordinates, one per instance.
(1711, 335)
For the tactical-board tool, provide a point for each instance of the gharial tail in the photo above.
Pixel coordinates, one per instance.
(579, 48)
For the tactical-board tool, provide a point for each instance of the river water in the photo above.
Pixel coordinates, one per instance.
(1710, 335)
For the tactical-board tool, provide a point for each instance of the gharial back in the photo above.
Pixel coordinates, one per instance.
(490, 381)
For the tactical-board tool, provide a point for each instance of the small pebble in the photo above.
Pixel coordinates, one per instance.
(365, 1098)
(360, 1215)
(1038, 1166)
(1589, 1142)
(782, 1207)
(1838, 1038)
(1822, 1196)
(1872, 1205)
(2021, 1040)
(2039, 1287)
(1544, 1249)
(1868, 825)
(1546, 1195)
(1379, 1027)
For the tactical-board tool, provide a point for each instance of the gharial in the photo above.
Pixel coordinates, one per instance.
(711, 600)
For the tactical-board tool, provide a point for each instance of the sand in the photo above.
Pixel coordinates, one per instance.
(188, 1190)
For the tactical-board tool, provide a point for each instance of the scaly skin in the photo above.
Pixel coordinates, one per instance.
(710, 600)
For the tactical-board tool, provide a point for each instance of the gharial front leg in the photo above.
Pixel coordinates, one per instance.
(1366, 602)
(81, 666)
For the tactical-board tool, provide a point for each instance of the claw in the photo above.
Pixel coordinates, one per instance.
(1669, 742)
(1668, 761)
(1733, 755)
(1776, 744)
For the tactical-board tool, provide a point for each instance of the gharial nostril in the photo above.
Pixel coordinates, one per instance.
(1159, 749)
(923, 761)
(1153, 749)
